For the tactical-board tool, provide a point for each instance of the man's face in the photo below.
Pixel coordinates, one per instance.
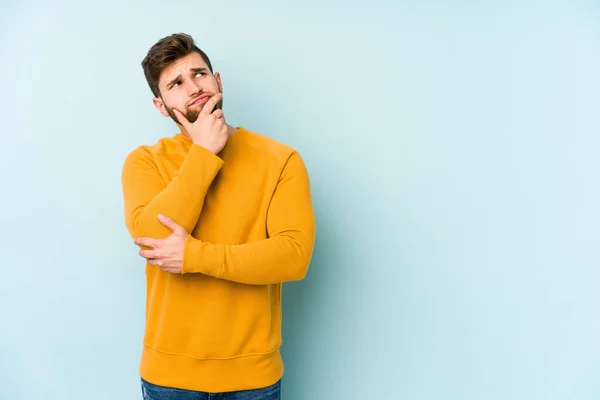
(186, 85)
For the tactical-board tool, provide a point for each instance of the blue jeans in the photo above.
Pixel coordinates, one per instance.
(155, 392)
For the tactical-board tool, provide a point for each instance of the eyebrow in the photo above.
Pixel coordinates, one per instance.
(178, 77)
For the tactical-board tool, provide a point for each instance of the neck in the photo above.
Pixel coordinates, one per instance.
(231, 130)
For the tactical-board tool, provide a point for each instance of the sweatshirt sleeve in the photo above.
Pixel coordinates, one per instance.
(146, 193)
(284, 256)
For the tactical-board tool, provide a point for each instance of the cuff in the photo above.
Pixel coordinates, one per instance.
(200, 166)
(201, 257)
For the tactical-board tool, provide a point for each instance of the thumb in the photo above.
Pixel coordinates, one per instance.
(169, 223)
(181, 118)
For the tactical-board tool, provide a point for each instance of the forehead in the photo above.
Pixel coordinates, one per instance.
(182, 66)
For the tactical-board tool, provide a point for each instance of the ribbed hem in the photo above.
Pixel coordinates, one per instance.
(211, 375)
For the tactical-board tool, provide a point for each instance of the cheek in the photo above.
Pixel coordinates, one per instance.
(173, 102)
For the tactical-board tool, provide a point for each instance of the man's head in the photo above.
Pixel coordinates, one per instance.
(180, 76)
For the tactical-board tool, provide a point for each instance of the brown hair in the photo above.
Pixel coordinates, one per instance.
(164, 52)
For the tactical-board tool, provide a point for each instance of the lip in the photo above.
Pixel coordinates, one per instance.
(201, 99)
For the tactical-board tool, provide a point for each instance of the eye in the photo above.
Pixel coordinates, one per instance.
(199, 73)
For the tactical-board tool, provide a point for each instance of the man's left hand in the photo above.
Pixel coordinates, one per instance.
(167, 254)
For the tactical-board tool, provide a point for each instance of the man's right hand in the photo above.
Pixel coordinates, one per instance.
(210, 129)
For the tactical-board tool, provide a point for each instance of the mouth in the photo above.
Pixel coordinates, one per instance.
(200, 100)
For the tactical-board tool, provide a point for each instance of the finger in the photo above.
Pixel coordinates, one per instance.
(181, 118)
(149, 254)
(218, 113)
(156, 261)
(169, 223)
(145, 241)
(170, 267)
(210, 104)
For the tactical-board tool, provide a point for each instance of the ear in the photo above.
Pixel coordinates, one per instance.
(160, 106)
(218, 78)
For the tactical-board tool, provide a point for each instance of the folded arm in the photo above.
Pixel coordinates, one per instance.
(146, 194)
(284, 256)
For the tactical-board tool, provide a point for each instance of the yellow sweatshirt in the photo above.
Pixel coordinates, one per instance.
(217, 326)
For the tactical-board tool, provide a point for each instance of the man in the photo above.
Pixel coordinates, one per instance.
(223, 217)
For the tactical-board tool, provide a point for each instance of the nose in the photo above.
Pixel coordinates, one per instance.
(192, 87)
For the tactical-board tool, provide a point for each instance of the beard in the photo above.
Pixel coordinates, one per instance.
(191, 114)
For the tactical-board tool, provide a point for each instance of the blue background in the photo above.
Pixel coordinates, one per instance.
(453, 151)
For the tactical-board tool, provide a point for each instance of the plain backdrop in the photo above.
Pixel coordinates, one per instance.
(453, 153)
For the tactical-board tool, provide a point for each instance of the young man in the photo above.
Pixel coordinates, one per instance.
(223, 217)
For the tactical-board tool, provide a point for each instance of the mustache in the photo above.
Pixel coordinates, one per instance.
(209, 95)
(190, 103)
